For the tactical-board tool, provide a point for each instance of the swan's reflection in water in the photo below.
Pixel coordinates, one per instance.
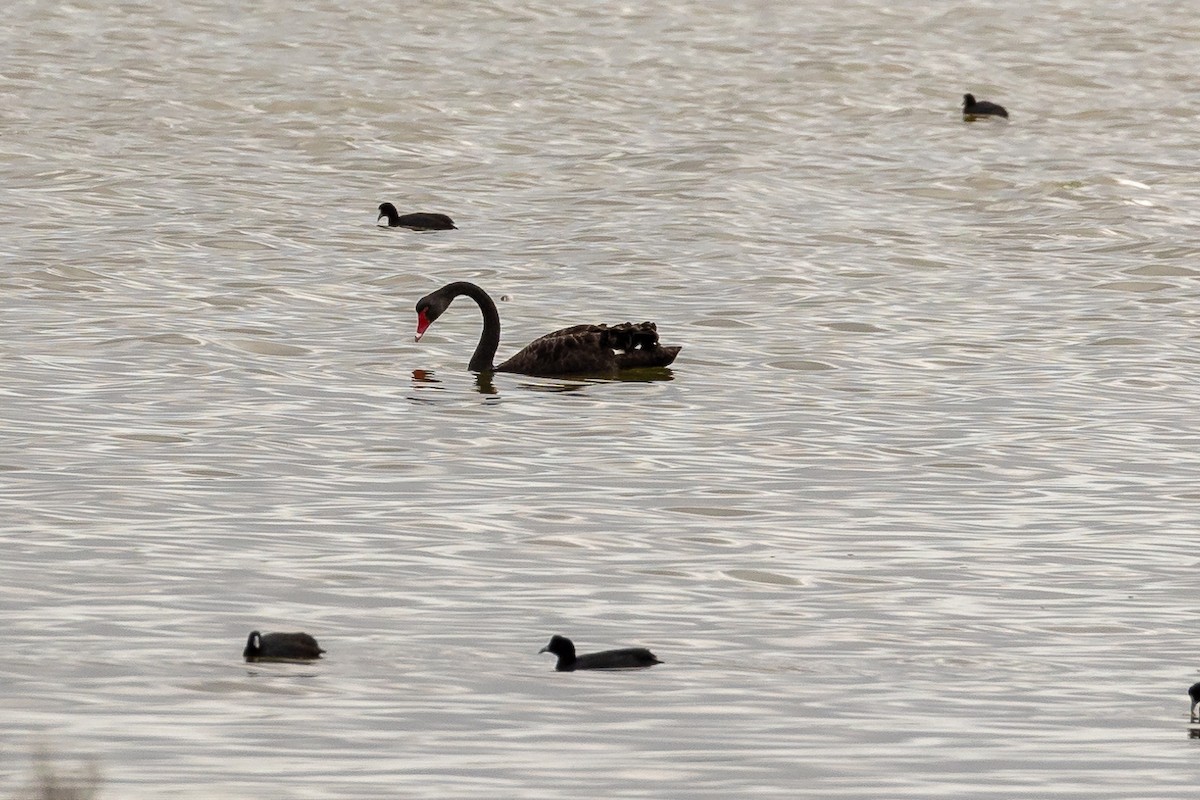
(425, 380)
(560, 383)
(484, 385)
(646, 375)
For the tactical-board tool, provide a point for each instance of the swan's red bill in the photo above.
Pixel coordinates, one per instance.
(423, 323)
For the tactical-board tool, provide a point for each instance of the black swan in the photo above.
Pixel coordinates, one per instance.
(628, 658)
(1194, 693)
(420, 221)
(281, 647)
(981, 108)
(578, 350)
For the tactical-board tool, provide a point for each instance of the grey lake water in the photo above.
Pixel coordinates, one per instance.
(914, 513)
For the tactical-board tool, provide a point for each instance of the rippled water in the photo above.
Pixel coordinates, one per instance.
(913, 514)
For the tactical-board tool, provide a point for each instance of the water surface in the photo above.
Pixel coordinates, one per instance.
(912, 515)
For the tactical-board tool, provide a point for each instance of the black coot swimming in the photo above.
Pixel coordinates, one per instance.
(1194, 693)
(981, 108)
(281, 647)
(627, 658)
(420, 221)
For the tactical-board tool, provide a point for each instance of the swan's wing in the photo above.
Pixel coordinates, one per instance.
(577, 350)
(591, 349)
(657, 356)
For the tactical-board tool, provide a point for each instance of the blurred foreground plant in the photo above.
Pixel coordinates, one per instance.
(53, 782)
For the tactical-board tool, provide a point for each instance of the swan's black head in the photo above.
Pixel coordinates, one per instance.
(429, 308)
(561, 646)
(968, 100)
(388, 210)
(253, 645)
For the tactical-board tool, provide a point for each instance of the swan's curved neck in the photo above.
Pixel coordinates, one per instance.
(489, 340)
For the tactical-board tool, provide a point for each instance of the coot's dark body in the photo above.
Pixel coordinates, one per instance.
(419, 221)
(281, 647)
(981, 108)
(626, 658)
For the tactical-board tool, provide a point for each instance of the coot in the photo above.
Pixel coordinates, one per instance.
(419, 221)
(281, 647)
(981, 108)
(627, 658)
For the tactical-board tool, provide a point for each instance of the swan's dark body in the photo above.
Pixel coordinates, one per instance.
(1194, 693)
(281, 647)
(420, 221)
(981, 108)
(578, 350)
(626, 658)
